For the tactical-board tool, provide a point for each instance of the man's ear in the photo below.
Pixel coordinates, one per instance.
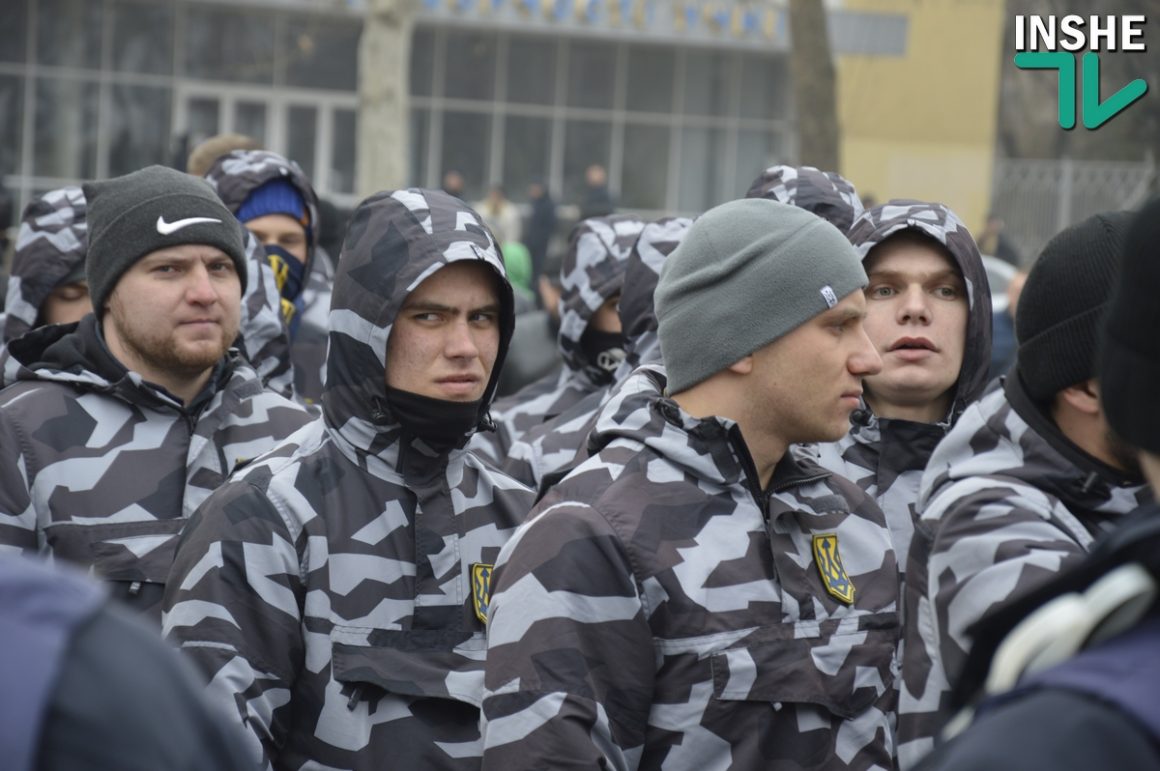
(742, 366)
(1083, 396)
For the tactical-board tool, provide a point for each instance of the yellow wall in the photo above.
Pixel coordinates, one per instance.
(923, 125)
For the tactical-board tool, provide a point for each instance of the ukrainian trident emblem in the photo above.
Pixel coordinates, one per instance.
(481, 589)
(833, 573)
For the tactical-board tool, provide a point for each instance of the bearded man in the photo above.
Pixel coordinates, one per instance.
(118, 426)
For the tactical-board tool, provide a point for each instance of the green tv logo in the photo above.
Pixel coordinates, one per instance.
(1074, 34)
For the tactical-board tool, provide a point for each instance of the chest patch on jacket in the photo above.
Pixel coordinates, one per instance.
(829, 562)
(481, 589)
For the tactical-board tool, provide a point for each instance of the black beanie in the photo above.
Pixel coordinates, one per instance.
(151, 209)
(1060, 308)
(1129, 360)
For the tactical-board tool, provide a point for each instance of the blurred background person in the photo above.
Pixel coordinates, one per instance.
(541, 226)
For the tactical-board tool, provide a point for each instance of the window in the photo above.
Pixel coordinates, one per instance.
(756, 151)
(302, 134)
(526, 157)
(68, 33)
(13, 27)
(531, 71)
(591, 74)
(11, 103)
(420, 141)
(250, 119)
(203, 119)
(139, 128)
(702, 174)
(223, 44)
(585, 143)
(650, 79)
(342, 152)
(645, 173)
(466, 139)
(470, 65)
(321, 53)
(707, 82)
(66, 118)
(422, 61)
(764, 85)
(142, 37)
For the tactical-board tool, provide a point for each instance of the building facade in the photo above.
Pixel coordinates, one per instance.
(684, 101)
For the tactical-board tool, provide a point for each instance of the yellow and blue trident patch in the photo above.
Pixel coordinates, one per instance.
(481, 589)
(834, 577)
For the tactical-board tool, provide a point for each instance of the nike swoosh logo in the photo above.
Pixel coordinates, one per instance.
(165, 228)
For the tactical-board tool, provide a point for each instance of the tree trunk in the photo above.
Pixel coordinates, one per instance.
(384, 106)
(814, 85)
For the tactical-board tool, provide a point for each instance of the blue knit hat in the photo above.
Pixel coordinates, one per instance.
(278, 196)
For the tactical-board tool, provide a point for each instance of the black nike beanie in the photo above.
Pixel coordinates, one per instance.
(1129, 362)
(151, 209)
(1063, 301)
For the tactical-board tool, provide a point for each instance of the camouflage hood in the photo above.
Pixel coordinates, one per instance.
(51, 245)
(593, 271)
(394, 242)
(824, 193)
(1006, 435)
(638, 316)
(941, 224)
(240, 172)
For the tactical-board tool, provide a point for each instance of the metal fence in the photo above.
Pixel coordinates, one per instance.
(1038, 198)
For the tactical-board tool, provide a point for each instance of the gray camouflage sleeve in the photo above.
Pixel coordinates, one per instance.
(17, 515)
(993, 542)
(233, 604)
(570, 663)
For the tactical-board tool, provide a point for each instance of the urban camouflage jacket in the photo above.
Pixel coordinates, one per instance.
(660, 610)
(593, 271)
(886, 456)
(52, 242)
(333, 592)
(102, 469)
(1007, 502)
(234, 176)
(546, 452)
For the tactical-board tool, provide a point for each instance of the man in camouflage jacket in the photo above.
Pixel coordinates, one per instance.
(888, 444)
(693, 596)
(103, 454)
(592, 276)
(236, 176)
(334, 591)
(1025, 481)
(545, 452)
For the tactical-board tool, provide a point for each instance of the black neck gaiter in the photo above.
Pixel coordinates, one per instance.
(440, 423)
(603, 350)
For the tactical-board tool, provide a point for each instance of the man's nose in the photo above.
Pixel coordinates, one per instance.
(460, 342)
(915, 306)
(865, 361)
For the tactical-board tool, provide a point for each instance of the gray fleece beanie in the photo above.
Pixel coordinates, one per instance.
(746, 273)
(150, 209)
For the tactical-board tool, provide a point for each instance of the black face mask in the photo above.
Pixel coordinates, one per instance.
(440, 423)
(603, 350)
(289, 271)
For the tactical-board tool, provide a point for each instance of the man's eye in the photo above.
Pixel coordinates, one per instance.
(483, 318)
(880, 291)
(948, 292)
